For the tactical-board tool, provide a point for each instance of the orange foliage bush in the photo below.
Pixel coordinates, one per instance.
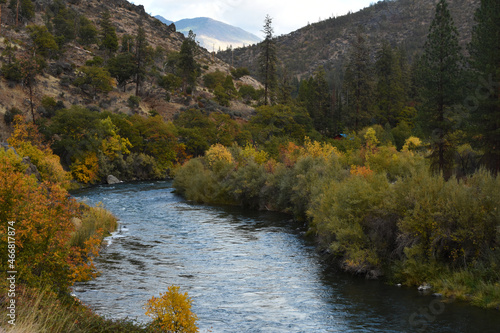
(363, 171)
(40, 216)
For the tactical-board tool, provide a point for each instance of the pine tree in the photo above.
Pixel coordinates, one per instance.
(314, 94)
(87, 32)
(485, 98)
(358, 85)
(390, 95)
(187, 64)
(109, 39)
(267, 61)
(440, 77)
(141, 54)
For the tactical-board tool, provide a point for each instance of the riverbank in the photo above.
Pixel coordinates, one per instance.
(378, 212)
(51, 241)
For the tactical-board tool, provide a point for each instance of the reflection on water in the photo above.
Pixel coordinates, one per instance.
(246, 272)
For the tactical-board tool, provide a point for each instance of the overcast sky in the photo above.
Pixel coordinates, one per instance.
(287, 15)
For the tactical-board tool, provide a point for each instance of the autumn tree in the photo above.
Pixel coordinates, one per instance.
(267, 61)
(171, 312)
(40, 212)
(440, 79)
(484, 101)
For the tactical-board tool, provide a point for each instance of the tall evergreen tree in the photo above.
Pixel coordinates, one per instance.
(441, 78)
(315, 95)
(358, 85)
(187, 64)
(109, 39)
(141, 55)
(389, 91)
(267, 61)
(485, 60)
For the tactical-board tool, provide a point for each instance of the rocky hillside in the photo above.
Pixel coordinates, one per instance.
(214, 34)
(401, 22)
(60, 70)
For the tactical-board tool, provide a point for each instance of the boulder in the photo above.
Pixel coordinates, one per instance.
(113, 180)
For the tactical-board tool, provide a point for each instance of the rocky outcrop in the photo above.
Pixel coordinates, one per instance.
(112, 180)
(31, 168)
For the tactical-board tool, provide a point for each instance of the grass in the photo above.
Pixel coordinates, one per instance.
(469, 285)
(41, 311)
(94, 220)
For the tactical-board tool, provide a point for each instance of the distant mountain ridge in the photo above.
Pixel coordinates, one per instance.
(213, 34)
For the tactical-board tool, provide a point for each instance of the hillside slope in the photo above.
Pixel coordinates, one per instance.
(60, 70)
(401, 22)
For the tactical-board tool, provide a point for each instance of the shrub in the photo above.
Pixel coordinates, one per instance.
(12, 71)
(133, 101)
(239, 72)
(9, 116)
(171, 312)
(86, 169)
(28, 142)
(211, 80)
(218, 156)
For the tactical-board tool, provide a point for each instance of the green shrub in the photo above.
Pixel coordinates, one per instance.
(12, 71)
(133, 101)
(211, 80)
(239, 72)
(10, 114)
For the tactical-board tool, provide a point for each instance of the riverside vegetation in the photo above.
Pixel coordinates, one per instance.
(56, 242)
(375, 210)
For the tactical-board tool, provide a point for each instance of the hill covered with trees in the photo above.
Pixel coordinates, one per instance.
(402, 23)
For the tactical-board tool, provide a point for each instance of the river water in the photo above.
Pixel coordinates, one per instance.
(246, 271)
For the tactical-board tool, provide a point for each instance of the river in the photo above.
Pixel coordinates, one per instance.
(246, 271)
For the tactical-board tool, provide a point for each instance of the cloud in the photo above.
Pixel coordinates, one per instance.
(288, 15)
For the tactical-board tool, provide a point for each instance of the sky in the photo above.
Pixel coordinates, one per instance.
(287, 15)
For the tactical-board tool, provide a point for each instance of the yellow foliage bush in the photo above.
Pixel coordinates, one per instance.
(86, 169)
(113, 144)
(318, 150)
(251, 153)
(28, 143)
(218, 154)
(412, 143)
(171, 312)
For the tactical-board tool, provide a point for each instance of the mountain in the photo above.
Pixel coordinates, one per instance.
(401, 22)
(214, 34)
(163, 20)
